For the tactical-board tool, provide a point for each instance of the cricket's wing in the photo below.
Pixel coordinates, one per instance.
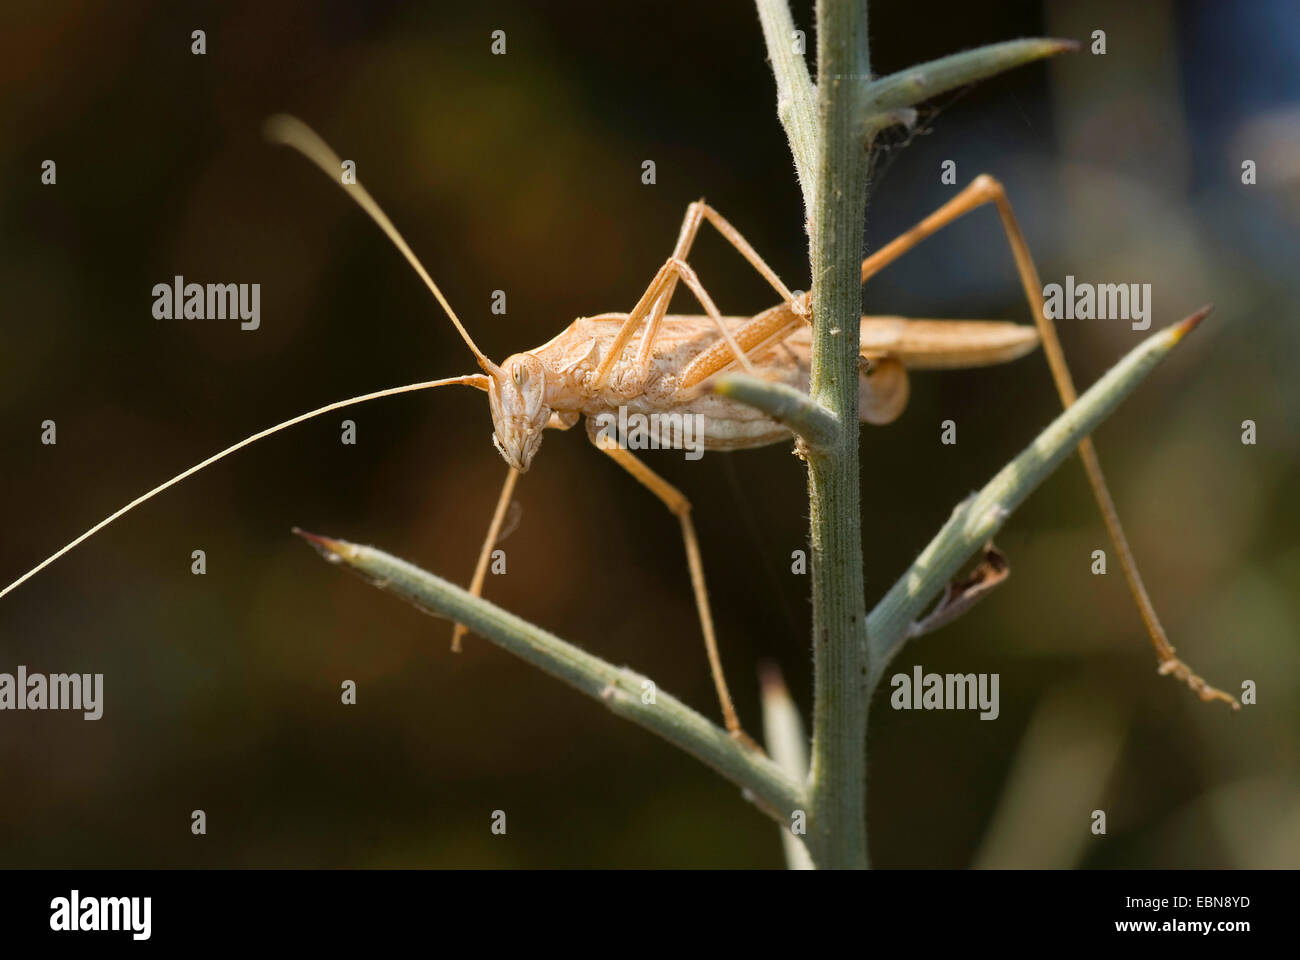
(919, 344)
(892, 344)
(938, 344)
(896, 344)
(946, 344)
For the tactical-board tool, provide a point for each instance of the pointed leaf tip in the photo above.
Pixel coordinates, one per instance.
(1189, 324)
(1062, 46)
(770, 681)
(330, 549)
(909, 87)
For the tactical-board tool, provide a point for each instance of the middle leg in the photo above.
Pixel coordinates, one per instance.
(680, 507)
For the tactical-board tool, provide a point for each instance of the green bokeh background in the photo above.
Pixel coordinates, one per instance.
(522, 173)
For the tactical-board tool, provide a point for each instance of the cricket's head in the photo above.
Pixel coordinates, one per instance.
(517, 394)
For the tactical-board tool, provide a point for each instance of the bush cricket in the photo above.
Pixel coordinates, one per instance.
(649, 361)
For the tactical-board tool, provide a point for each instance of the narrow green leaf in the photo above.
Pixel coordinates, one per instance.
(623, 691)
(909, 87)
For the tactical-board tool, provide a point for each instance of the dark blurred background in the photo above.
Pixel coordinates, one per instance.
(522, 172)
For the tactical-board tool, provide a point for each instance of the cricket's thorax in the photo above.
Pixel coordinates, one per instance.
(573, 358)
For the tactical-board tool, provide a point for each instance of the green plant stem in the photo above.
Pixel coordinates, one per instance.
(837, 776)
(623, 691)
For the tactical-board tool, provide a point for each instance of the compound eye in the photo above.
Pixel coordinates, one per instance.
(519, 374)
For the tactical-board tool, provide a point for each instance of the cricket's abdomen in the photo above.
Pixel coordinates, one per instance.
(710, 423)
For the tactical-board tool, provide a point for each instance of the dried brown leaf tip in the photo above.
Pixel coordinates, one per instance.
(963, 593)
(1184, 327)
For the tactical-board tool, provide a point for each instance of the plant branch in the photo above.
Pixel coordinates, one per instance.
(909, 87)
(815, 424)
(796, 97)
(622, 690)
(974, 521)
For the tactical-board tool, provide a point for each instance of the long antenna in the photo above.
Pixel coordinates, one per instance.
(473, 380)
(292, 132)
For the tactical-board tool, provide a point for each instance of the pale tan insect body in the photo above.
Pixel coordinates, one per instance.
(569, 363)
